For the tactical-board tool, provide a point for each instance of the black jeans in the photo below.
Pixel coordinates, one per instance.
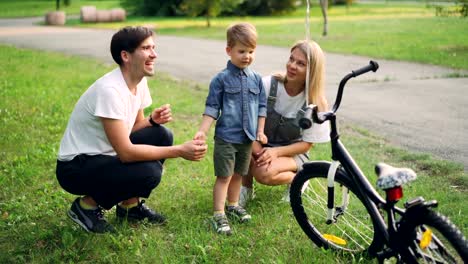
(109, 181)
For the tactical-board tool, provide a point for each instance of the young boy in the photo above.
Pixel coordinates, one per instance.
(237, 101)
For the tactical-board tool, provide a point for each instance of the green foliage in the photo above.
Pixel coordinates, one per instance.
(152, 8)
(397, 32)
(208, 8)
(341, 2)
(65, 2)
(458, 8)
(265, 7)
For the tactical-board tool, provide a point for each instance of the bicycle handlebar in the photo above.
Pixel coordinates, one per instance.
(373, 66)
(311, 111)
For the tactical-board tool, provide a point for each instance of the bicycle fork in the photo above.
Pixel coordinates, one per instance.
(332, 212)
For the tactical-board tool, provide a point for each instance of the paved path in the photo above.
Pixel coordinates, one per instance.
(413, 105)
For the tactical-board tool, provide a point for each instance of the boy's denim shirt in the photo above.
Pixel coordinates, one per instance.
(236, 99)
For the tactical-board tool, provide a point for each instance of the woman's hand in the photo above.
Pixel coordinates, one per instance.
(266, 156)
(162, 114)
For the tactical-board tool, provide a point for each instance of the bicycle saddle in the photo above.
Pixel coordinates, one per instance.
(391, 177)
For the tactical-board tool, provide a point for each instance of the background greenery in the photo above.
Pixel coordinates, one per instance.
(38, 91)
(408, 31)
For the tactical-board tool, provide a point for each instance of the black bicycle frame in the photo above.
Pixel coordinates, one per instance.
(371, 199)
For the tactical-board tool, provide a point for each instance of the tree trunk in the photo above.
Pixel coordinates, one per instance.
(208, 21)
(57, 5)
(324, 6)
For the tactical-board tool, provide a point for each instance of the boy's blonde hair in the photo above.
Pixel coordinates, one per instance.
(243, 33)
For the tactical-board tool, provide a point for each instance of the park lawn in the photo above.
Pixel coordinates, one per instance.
(38, 91)
(397, 31)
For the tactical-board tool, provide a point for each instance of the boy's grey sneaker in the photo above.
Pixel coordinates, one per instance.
(246, 195)
(140, 212)
(221, 224)
(90, 220)
(238, 213)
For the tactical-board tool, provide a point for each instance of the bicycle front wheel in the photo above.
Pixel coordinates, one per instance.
(437, 240)
(353, 229)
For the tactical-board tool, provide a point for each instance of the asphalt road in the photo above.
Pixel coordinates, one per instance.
(414, 106)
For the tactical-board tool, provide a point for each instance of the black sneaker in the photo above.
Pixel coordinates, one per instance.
(140, 212)
(90, 220)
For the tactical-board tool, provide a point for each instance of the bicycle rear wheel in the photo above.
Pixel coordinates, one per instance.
(438, 240)
(353, 230)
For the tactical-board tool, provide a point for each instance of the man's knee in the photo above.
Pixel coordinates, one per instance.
(152, 172)
(168, 136)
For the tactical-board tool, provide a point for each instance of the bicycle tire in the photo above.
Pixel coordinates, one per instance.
(447, 243)
(349, 226)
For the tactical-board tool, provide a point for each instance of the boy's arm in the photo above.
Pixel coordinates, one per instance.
(260, 134)
(204, 127)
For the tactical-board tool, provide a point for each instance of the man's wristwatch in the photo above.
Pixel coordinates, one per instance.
(152, 121)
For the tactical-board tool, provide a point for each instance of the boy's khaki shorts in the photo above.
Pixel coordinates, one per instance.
(231, 157)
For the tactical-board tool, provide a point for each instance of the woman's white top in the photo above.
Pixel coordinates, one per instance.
(288, 106)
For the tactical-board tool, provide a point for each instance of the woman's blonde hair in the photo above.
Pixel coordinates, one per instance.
(316, 75)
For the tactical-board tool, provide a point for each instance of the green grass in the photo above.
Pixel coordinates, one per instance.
(27, 8)
(38, 91)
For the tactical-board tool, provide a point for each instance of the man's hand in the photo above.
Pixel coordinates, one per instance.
(162, 115)
(193, 150)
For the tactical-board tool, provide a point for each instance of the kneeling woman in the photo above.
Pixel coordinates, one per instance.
(288, 145)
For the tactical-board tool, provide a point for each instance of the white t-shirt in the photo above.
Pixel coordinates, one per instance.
(108, 97)
(288, 106)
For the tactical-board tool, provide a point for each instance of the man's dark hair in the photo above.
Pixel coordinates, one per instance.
(128, 39)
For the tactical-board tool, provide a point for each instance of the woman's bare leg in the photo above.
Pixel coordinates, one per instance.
(281, 171)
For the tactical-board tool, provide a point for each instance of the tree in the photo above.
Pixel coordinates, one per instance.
(324, 7)
(208, 8)
(152, 8)
(265, 7)
(57, 4)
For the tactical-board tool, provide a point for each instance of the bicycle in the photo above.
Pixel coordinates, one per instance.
(338, 208)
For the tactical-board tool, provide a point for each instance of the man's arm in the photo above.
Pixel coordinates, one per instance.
(140, 121)
(160, 115)
(116, 132)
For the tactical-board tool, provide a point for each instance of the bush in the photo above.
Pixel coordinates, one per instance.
(152, 8)
(173, 7)
(265, 7)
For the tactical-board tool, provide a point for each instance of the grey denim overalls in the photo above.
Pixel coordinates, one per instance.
(281, 130)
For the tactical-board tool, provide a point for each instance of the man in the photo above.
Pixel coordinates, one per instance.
(110, 152)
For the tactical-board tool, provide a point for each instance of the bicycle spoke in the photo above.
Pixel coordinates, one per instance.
(356, 231)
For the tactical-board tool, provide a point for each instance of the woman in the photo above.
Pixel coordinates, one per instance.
(277, 162)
